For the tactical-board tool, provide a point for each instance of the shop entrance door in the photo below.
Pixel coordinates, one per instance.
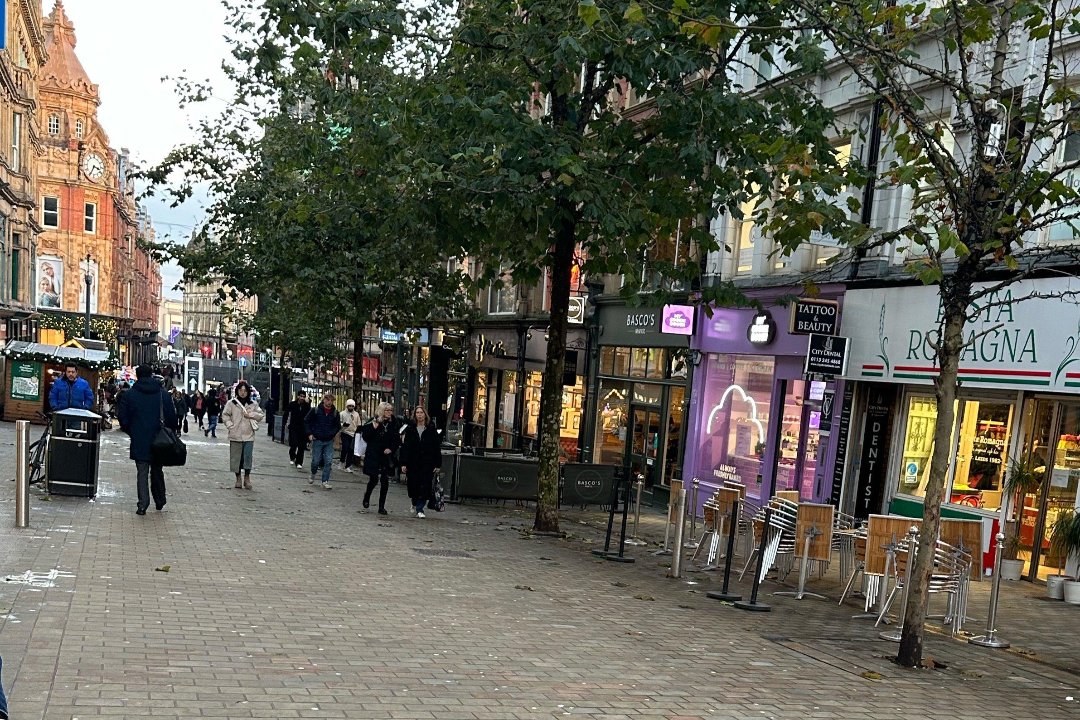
(644, 443)
(1054, 452)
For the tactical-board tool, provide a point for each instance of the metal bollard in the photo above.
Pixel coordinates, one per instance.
(989, 639)
(22, 467)
(692, 543)
(896, 634)
(752, 604)
(677, 547)
(724, 594)
(634, 539)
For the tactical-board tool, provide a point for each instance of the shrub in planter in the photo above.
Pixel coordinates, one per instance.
(1065, 540)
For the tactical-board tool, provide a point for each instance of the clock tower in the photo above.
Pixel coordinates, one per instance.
(81, 205)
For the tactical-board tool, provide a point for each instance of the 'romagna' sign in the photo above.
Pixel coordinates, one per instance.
(814, 317)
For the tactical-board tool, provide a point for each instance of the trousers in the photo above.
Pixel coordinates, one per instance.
(150, 480)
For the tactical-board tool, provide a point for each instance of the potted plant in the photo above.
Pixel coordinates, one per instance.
(1024, 477)
(1065, 541)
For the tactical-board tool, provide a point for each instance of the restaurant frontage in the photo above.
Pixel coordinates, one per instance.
(1019, 401)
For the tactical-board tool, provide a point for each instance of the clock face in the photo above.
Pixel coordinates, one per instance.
(94, 166)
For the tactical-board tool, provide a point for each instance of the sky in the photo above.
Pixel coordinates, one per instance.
(127, 47)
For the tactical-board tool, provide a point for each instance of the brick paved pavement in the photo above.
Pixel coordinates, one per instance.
(284, 602)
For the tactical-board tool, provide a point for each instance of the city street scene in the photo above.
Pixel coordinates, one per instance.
(554, 358)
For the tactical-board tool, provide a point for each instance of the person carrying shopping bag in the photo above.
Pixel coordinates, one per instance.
(421, 456)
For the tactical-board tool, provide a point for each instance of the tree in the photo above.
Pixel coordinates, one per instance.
(976, 127)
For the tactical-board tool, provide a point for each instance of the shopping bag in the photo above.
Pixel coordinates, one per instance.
(359, 446)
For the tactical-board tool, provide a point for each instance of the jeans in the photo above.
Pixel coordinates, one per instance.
(420, 505)
(322, 453)
(212, 425)
(3, 698)
(156, 484)
(347, 443)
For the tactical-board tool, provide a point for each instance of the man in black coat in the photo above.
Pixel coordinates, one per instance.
(142, 411)
(294, 417)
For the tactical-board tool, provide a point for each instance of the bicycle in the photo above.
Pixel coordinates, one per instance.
(37, 451)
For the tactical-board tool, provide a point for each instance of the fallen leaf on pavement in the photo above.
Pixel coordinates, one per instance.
(163, 568)
(647, 598)
(523, 587)
(871, 675)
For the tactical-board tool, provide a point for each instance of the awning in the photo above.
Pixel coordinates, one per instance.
(56, 354)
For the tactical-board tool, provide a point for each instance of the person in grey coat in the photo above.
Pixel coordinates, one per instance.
(142, 411)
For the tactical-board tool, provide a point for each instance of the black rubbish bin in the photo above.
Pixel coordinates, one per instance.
(72, 464)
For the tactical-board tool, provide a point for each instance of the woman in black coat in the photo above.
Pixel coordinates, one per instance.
(421, 456)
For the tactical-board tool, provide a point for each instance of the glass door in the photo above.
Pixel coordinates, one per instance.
(644, 443)
(1059, 492)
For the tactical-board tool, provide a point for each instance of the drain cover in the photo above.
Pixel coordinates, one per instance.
(439, 552)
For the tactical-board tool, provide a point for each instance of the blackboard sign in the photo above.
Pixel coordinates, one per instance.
(587, 484)
(818, 317)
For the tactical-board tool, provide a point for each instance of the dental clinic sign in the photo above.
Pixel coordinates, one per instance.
(1026, 335)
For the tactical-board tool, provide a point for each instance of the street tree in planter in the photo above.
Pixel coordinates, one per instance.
(602, 135)
(984, 139)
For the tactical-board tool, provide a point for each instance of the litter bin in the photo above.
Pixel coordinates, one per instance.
(72, 464)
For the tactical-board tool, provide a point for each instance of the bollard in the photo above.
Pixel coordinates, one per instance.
(619, 556)
(677, 547)
(896, 634)
(692, 543)
(990, 639)
(753, 605)
(634, 539)
(611, 519)
(22, 467)
(732, 529)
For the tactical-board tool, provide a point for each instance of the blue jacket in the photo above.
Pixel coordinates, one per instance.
(140, 413)
(66, 395)
(321, 425)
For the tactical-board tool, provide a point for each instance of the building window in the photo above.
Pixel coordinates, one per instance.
(90, 217)
(54, 124)
(50, 212)
(502, 300)
(79, 129)
(16, 141)
(16, 262)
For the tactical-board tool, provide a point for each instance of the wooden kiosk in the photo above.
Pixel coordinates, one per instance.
(32, 368)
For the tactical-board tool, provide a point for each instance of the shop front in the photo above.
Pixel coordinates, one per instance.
(505, 379)
(1019, 402)
(755, 417)
(639, 409)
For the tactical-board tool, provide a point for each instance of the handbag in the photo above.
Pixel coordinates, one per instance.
(254, 424)
(167, 449)
(359, 446)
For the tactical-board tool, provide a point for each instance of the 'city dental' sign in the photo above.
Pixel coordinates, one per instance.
(1013, 339)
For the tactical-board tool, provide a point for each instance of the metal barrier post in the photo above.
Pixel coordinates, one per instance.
(895, 635)
(732, 529)
(677, 547)
(693, 543)
(610, 520)
(619, 556)
(753, 605)
(634, 539)
(22, 468)
(989, 639)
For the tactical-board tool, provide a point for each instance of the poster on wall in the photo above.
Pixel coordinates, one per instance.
(49, 283)
(93, 272)
(26, 381)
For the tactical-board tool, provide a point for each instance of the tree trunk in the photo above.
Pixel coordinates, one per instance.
(562, 259)
(954, 297)
(358, 364)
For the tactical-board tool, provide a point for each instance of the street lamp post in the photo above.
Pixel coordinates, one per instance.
(88, 279)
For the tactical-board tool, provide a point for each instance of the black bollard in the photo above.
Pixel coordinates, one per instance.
(611, 519)
(734, 524)
(620, 557)
(754, 605)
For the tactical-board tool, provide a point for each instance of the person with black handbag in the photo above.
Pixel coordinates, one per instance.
(144, 411)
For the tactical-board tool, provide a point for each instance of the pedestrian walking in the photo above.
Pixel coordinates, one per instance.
(421, 456)
(213, 410)
(199, 409)
(180, 406)
(294, 417)
(143, 410)
(382, 441)
(3, 697)
(350, 423)
(71, 391)
(323, 423)
(271, 410)
(241, 416)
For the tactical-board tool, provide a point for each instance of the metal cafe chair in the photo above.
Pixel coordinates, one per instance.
(949, 570)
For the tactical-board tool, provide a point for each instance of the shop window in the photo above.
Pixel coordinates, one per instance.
(622, 362)
(533, 383)
(981, 429)
(607, 361)
(480, 409)
(733, 436)
(573, 397)
(504, 426)
(657, 363)
(612, 418)
(639, 360)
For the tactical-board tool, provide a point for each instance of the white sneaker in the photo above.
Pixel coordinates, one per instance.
(311, 480)
(299, 466)
(421, 515)
(326, 486)
(349, 470)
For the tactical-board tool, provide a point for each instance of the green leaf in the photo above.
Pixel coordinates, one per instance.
(634, 13)
(588, 12)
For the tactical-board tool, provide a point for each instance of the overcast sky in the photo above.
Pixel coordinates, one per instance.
(127, 47)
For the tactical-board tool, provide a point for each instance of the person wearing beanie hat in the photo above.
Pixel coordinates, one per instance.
(350, 423)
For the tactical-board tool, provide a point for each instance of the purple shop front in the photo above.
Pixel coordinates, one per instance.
(753, 418)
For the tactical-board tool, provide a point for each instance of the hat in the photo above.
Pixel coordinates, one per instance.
(350, 403)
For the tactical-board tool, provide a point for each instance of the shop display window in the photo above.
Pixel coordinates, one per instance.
(612, 419)
(573, 397)
(652, 363)
(733, 435)
(533, 382)
(639, 361)
(504, 426)
(981, 431)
